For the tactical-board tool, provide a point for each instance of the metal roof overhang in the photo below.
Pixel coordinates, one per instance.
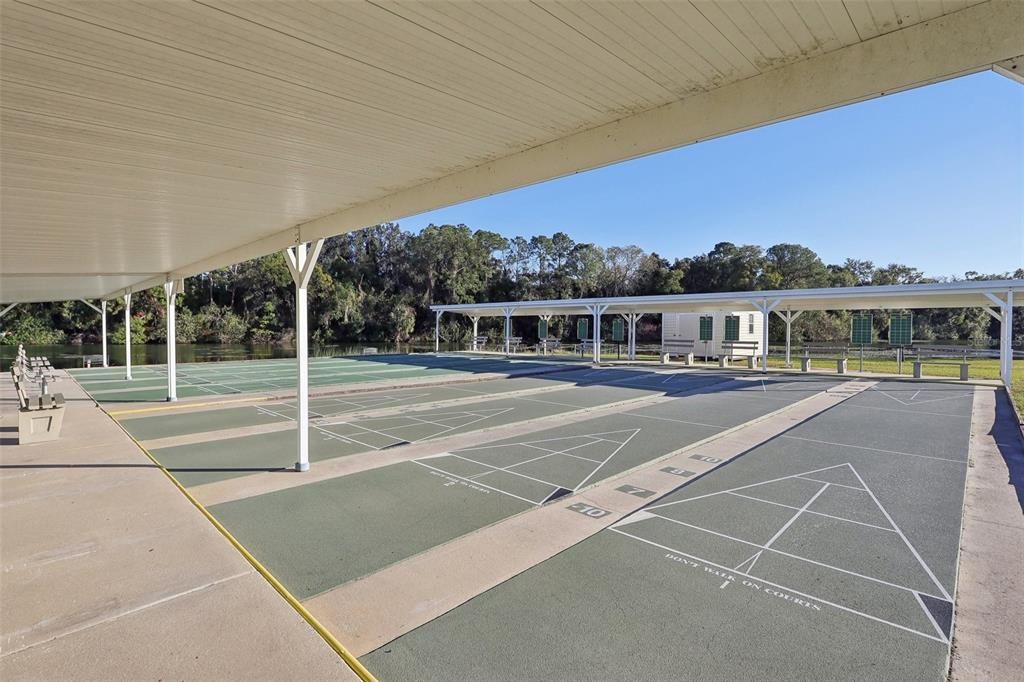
(908, 296)
(148, 141)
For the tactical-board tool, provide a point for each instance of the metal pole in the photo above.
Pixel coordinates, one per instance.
(765, 312)
(508, 329)
(103, 331)
(1006, 343)
(629, 338)
(301, 265)
(170, 294)
(128, 336)
(789, 326)
(596, 336)
(475, 332)
(302, 358)
(7, 309)
(437, 331)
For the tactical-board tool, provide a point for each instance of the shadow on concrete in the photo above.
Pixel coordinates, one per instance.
(1007, 435)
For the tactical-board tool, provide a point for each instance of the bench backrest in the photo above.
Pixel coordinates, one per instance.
(677, 344)
(741, 345)
(19, 386)
(825, 349)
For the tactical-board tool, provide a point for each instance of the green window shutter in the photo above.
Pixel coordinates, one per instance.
(582, 328)
(732, 328)
(542, 329)
(707, 325)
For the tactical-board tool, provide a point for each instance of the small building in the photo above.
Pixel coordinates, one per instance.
(723, 326)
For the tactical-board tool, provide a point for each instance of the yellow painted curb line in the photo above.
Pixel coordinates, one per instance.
(331, 640)
(185, 406)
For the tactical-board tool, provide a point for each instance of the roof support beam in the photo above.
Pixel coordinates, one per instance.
(966, 41)
(1011, 68)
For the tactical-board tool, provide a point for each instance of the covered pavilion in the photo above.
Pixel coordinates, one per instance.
(144, 143)
(996, 297)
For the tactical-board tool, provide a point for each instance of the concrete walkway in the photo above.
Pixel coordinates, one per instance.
(109, 572)
(989, 639)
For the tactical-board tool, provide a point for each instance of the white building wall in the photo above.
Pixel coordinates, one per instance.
(686, 326)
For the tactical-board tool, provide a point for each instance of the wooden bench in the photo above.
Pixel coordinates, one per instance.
(368, 350)
(944, 355)
(729, 349)
(39, 418)
(824, 351)
(682, 348)
(513, 343)
(479, 342)
(545, 346)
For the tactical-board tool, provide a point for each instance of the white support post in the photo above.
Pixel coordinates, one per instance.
(476, 320)
(788, 317)
(543, 343)
(103, 332)
(437, 331)
(102, 310)
(596, 310)
(1008, 372)
(508, 328)
(1004, 313)
(171, 290)
(128, 336)
(1006, 341)
(631, 319)
(766, 311)
(301, 263)
(627, 318)
(7, 309)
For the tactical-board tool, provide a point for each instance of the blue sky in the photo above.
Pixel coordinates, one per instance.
(932, 178)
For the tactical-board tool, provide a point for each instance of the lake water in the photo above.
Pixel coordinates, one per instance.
(70, 356)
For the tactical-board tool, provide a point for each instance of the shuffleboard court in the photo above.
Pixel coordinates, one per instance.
(206, 461)
(246, 376)
(356, 524)
(813, 556)
(147, 425)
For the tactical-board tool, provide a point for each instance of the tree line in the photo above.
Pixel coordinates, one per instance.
(377, 285)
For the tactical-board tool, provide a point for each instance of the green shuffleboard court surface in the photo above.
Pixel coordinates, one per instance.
(149, 383)
(396, 511)
(815, 555)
